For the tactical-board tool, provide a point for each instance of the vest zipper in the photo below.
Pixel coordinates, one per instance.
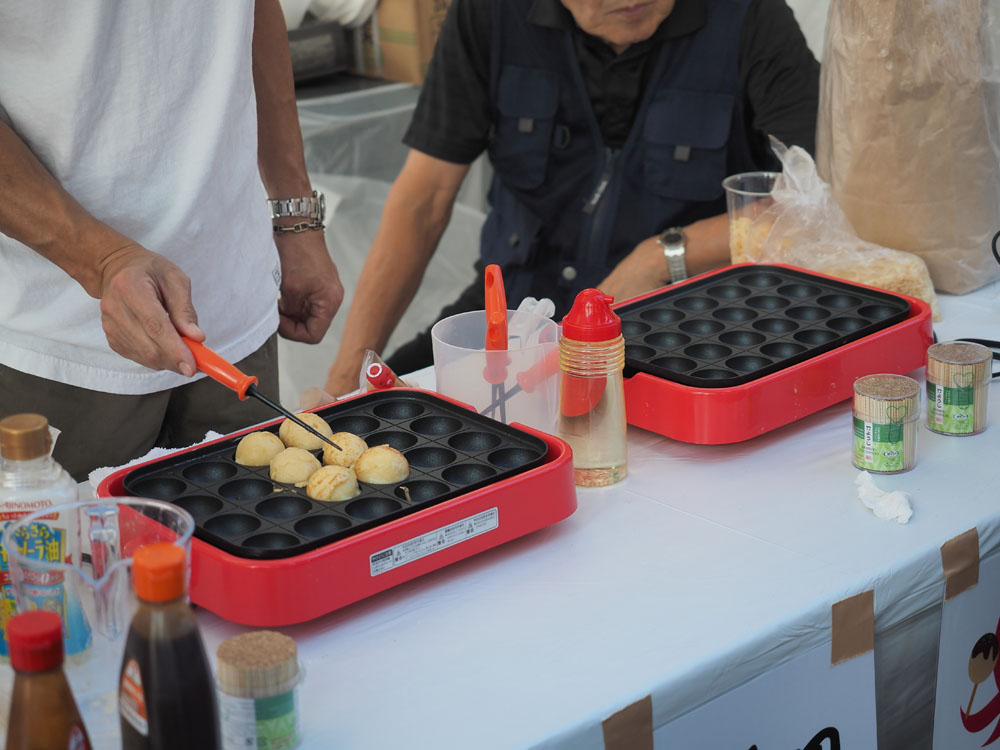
(602, 185)
(597, 209)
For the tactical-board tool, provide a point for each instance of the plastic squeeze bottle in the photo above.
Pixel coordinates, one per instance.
(592, 396)
(31, 480)
(42, 710)
(167, 693)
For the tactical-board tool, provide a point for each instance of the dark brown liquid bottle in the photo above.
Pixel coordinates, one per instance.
(167, 693)
(43, 713)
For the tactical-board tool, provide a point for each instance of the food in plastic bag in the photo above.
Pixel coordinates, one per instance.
(805, 227)
(908, 134)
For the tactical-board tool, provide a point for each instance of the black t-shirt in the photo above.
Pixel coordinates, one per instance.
(779, 77)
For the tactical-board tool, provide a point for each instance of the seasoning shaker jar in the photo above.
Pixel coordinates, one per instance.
(886, 412)
(258, 677)
(592, 394)
(958, 387)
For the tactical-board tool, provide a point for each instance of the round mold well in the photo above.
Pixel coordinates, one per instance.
(232, 524)
(372, 507)
(839, 301)
(430, 457)
(815, 336)
(767, 302)
(435, 426)
(696, 304)
(847, 325)
(702, 327)
(799, 291)
(399, 410)
(728, 291)
(319, 526)
(782, 349)
(209, 472)
(667, 339)
(634, 327)
(199, 506)
(807, 314)
(271, 540)
(747, 363)
(675, 364)
(467, 473)
(661, 315)
(512, 458)
(393, 438)
(158, 488)
(246, 489)
(708, 351)
(877, 312)
(283, 508)
(712, 373)
(742, 338)
(734, 314)
(634, 351)
(759, 280)
(474, 442)
(357, 424)
(775, 325)
(422, 490)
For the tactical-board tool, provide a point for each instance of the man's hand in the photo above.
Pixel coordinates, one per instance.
(642, 270)
(311, 291)
(145, 307)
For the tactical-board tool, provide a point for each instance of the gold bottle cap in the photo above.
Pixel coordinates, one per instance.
(257, 664)
(24, 436)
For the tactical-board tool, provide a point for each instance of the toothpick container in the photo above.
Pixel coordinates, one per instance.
(886, 412)
(958, 387)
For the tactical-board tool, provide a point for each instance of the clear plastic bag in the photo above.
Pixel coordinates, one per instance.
(804, 226)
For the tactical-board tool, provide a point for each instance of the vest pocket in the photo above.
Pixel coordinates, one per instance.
(685, 137)
(522, 132)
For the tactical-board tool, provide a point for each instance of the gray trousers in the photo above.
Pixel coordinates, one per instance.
(107, 429)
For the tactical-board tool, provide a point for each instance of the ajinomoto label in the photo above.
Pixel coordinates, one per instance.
(950, 410)
(12, 511)
(132, 699)
(878, 447)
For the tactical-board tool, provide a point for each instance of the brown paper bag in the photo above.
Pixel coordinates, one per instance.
(908, 99)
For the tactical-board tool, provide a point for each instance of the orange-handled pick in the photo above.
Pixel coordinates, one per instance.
(224, 372)
(543, 369)
(497, 360)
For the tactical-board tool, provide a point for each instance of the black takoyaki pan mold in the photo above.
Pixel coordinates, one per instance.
(240, 509)
(747, 322)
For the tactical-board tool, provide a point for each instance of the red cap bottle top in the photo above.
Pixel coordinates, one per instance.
(592, 318)
(35, 640)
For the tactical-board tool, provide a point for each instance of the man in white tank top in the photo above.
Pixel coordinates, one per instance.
(139, 143)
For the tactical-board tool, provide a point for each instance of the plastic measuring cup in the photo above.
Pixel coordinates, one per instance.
(748, 194)
(530, 386)
(92, 593)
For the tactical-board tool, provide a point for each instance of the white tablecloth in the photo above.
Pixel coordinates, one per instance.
(707, 566)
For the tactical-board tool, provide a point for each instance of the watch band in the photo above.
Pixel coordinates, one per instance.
(310, 207)
(674, 244)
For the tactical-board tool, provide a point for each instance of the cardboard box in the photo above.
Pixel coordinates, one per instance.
(397, 42)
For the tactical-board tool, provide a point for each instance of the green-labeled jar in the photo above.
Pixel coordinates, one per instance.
(886, 412)
(958, 380)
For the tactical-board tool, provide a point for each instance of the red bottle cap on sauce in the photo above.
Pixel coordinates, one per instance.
(35, 640)
(592, 318)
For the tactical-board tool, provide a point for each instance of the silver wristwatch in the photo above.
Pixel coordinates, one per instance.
(674, 243)
(311, 207)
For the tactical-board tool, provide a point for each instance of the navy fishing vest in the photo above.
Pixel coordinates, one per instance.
(564, 208)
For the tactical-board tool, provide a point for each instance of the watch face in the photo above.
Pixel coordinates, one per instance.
(673, 237)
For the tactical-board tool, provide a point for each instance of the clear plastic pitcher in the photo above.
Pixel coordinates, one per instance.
(93, 593)
(524, 388)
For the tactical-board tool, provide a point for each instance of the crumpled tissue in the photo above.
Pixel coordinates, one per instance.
(99, 475)
(889, 506)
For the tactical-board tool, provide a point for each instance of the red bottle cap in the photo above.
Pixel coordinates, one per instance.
(592, 318)
(35, 640)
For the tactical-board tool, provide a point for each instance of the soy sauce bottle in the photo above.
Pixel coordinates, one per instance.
(43, 713)
(167, 694)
